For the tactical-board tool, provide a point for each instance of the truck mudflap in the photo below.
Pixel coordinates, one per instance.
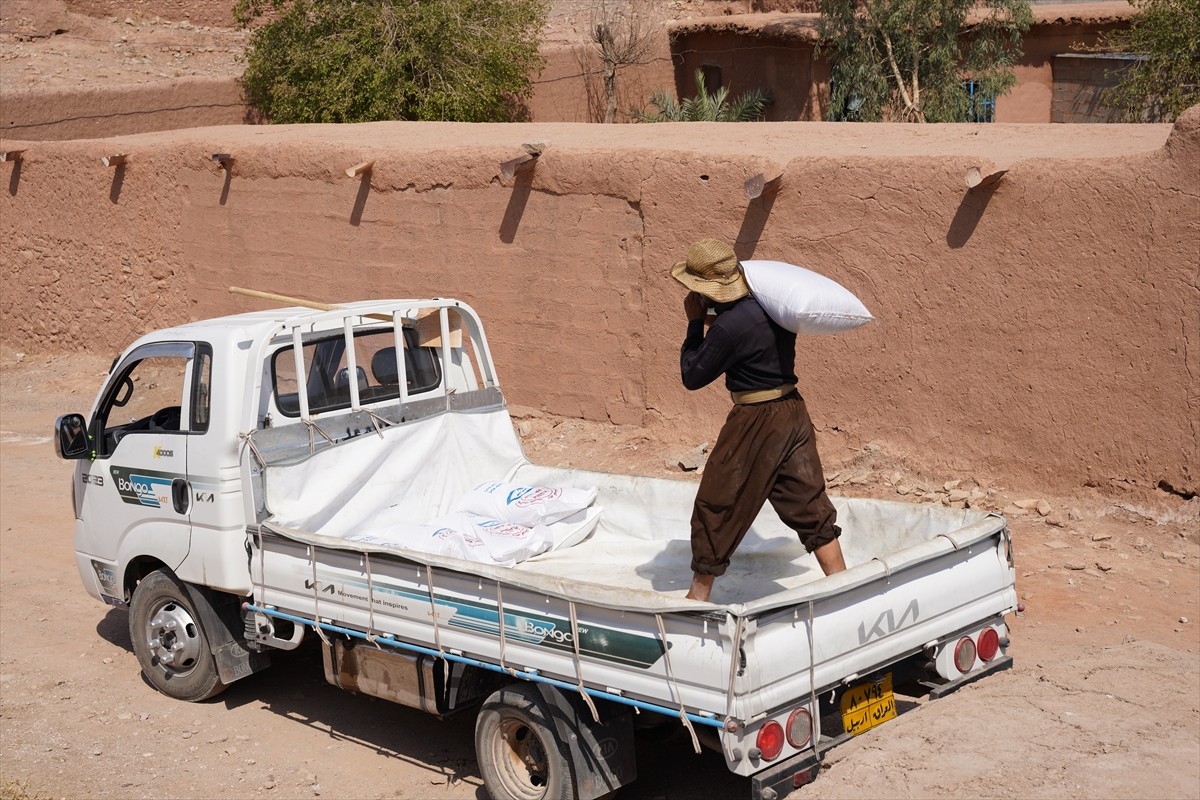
(221, 619)
(601, 751)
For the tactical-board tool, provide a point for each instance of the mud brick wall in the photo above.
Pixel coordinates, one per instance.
(1042, 326)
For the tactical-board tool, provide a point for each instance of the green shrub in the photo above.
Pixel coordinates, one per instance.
(367, 60)
(705, 107)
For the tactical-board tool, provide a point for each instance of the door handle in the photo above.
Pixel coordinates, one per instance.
(180, 495)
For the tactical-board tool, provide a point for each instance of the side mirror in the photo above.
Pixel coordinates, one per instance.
(71, 437)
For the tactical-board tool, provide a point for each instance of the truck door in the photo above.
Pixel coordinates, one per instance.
(135, 494)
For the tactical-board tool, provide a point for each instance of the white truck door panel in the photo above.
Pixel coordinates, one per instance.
(134, 498)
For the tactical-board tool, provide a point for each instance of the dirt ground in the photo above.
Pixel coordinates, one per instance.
(1104, 700)
(55, 44)
(44, 46)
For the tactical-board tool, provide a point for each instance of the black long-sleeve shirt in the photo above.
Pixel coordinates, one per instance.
(743, 343)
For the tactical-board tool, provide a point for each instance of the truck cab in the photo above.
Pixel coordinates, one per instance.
(160, 467)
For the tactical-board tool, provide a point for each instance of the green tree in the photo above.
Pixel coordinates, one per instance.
(1165, 81)
(907, 60)
(365, 60)
(705, 107)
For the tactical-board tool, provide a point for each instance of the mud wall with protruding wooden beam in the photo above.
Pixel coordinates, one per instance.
(1043, 325)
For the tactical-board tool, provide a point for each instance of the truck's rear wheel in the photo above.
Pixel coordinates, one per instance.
(518, 751)
(169, 641)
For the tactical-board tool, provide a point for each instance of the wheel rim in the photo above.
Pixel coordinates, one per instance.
(174, 639)
(521, 760)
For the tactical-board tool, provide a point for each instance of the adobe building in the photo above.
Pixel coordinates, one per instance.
(1056, 80)
(742, 44)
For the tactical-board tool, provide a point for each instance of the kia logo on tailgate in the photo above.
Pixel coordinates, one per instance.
(887, 623)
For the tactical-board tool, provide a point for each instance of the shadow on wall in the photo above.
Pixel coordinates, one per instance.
(970, 211)
(224, 198)
(753, 223)
(114, 192)
(522, 185)
(360, 199)
(14, 180)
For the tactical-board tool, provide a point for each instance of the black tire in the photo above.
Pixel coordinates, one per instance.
(169, 641)
(518, 751)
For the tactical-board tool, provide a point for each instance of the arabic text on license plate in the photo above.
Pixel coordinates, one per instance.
(867, 705)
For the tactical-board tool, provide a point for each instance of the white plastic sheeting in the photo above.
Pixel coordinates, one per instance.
(639, 554)
(414, 473)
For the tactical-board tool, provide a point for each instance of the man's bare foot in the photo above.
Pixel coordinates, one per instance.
(701, 587)
(829, 556)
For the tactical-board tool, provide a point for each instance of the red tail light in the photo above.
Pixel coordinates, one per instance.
(989, 644)
(770, 740)
(964, 654)
(799, 728)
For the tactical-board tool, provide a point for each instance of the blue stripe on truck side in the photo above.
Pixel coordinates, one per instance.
(534, 676)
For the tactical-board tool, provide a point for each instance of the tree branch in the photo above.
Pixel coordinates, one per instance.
(887, 43)
(917, 85)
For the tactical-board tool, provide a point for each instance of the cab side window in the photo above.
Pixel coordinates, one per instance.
(147, 395)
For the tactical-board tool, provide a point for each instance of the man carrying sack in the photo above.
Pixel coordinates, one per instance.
(767, 449)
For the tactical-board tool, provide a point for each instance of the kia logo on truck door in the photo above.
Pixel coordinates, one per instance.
(887, 623)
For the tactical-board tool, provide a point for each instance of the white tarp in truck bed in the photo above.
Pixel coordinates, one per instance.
(639, 555)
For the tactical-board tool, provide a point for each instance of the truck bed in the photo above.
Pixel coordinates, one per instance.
(639, 555)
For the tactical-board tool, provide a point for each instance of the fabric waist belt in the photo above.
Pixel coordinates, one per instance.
(762, 395)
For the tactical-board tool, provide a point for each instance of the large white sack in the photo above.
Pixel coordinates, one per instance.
(505, 543)
(427, 539)
(524, 505)
(480, 539)
(803, 301)
(570, 531)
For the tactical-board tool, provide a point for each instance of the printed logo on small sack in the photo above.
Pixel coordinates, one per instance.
(498, 528)
(448, 534)
(531, 497)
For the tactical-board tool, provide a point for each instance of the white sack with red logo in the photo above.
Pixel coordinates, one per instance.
(503, 543)
(427, 539)
(525, 505)
(804, 301)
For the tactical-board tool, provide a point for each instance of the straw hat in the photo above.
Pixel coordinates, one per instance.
(712, 269)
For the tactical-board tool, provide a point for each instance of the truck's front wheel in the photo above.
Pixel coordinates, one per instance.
(518, 751)
(169, 641)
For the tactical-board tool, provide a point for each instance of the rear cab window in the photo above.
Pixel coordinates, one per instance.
(327, 371)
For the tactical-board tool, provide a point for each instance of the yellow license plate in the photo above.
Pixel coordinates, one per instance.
(867, 705)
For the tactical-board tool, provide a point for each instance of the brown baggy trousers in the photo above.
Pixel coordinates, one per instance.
(765, 451)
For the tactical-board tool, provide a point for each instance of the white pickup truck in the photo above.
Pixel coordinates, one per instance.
(230, 467)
